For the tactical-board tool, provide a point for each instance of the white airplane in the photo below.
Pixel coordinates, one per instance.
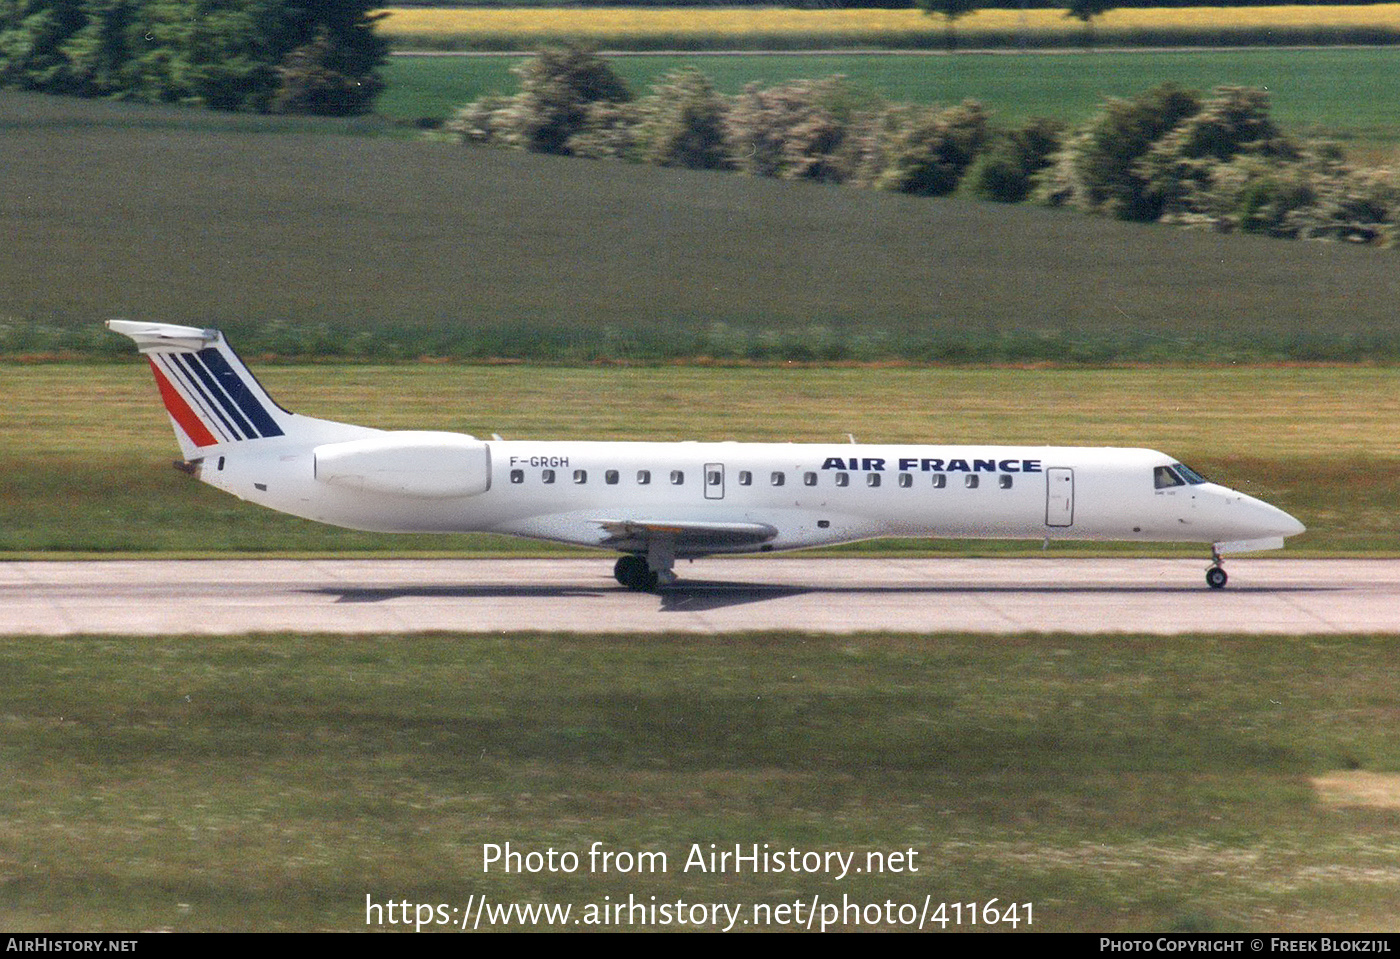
(660, 502)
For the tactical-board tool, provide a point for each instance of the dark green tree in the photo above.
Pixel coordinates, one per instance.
(99, 54)
(1085, 11)
(318, 79)
(32, 36)
(951, 11)
(228, 54)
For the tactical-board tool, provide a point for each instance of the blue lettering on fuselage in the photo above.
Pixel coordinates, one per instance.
(937, 465)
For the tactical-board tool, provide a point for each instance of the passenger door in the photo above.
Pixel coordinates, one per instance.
(714, 481)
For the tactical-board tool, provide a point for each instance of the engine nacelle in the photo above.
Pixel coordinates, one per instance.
(424, 464)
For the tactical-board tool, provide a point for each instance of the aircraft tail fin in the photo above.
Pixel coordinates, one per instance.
(212, 398)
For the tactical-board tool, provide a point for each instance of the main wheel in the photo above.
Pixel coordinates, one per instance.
(1216, 578)
(634, 573)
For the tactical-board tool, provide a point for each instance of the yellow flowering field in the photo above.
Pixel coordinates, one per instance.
(700, 28)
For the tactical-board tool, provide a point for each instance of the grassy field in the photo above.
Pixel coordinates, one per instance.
(313, 242)
(1117, 784)
(85, 466)
(1341, 93)
(779, 29)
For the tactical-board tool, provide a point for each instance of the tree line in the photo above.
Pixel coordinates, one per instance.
(1172, 155)
(256, 55)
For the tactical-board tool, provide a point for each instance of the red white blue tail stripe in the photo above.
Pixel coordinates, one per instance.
(209, 400)
(207, 390)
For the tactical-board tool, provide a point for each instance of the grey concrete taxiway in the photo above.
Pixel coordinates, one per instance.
(714, 596)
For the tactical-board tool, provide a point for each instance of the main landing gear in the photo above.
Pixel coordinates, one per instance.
(1215, 576)
(643, 573)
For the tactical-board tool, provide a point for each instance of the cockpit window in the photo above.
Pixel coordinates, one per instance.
(1190, 475)
(1164, 477)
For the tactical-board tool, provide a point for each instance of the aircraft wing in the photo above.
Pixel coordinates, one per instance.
(683, 536)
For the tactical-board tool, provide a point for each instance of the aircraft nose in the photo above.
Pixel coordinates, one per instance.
(1294, 527)
(1274, 521)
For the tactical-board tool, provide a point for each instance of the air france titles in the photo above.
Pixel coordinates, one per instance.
(911, 464)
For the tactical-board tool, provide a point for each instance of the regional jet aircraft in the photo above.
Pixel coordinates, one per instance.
(659, 502)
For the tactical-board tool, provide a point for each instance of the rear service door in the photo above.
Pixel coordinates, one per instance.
(1059, 496)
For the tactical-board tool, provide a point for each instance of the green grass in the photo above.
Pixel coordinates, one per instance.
(85, 466)
(1341, 93)
(271, 783)
(302, 242)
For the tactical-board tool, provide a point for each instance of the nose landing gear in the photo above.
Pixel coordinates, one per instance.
(1215, 576)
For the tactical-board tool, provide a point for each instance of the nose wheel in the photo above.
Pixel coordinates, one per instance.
(1215, 576)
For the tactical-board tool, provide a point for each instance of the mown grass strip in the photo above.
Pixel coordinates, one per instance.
(272, 782)
(86, 465)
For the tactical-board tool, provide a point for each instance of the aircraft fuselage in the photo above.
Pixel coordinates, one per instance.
(813, 494)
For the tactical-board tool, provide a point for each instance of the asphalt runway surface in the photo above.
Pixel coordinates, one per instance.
(829, 595)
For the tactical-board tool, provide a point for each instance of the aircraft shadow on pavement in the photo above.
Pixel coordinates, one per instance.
(696, 596)
(687, 597)
(690, 596)
(381, 594)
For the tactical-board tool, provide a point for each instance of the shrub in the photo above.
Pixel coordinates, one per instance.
(608, 131)
(925, 151)
(1182, 165)
(795, 130)
(481, 121)
(1097, 169)
(557, 87)
(1005, 172)
(1316, 195)
(684, 123)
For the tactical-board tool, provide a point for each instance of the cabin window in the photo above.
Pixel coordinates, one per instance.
(1004, 480)
(610, 477)
(809, 478)
(939, 481)
(517, 476)
(971, 480)
(745, 478)
(677, 477)
(547, 476)
(714, 478)
(1164, 477)
(580, 476)
(643, 477)
(843, 479)
(779, 479)
(872, 479)
(906, 480)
